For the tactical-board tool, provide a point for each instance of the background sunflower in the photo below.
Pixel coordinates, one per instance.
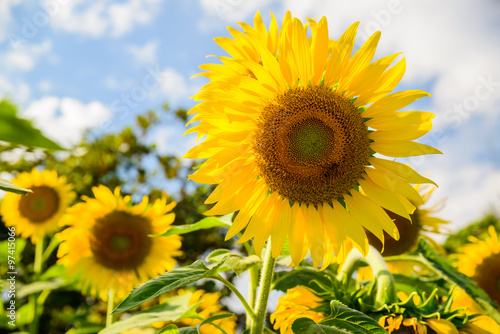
(37, 214)
(108, 242)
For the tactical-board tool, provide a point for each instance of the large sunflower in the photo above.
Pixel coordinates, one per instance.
(108, 242)
(480, 260)
(37, 214)
(293, 124)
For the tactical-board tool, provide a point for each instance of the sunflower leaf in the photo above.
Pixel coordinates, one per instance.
(203, 224)
(196, 329)
(234, 262)
(7, 186)
(342, 320)
(166, 282)
(20, 131)
(173, 309)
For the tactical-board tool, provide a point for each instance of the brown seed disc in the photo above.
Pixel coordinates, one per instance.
(311, 145)
(487, 276)
(408, 231)
(40, 205)
(120, 240)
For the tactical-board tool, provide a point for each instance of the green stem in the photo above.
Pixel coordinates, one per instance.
(266, 279)
(109, 311)
(252, 290)
(50, 248)
(238, 294)
(36, 309)
(37, 267)
(386, 287)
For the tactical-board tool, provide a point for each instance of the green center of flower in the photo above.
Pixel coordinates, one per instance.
(311, 145)
(409, 232)
(309, 141)
(120, 240)
(40, 205)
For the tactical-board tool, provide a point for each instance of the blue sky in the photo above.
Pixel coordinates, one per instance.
(77, 65)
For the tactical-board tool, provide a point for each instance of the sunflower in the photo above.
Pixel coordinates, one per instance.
(37, 214)
(292, 126)
(421, 224)
(299, 302)
(108, 242)
(480, 260)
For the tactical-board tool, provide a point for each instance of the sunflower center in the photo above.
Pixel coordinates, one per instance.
(311, 145)
(409, 232)
(487, 276)
(40, 205)
(120, 240)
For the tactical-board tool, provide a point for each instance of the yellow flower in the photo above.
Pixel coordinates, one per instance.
(480, 260)
(37, 214)
(292, 126)
(209, 306)
(478, 324)
(108, 242)
(297, 303)
(421, 224)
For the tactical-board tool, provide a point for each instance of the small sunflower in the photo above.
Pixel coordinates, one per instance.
(298, 302)
(480, 260)
(293, 124)
(37, 214)
(421, 224)
(108, 242)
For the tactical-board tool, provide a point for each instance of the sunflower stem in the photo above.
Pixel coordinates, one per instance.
(109, 311)
(50, 248)
(252, 290)
(238, 294)
(386, 287)
(266, 279)
(37, 267)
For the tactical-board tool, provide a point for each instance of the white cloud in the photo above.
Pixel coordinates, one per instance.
(96, 17)
(45, 86)
(19, 92)
(145, 54)
(232, 10)
(65, 120)
(25, 56)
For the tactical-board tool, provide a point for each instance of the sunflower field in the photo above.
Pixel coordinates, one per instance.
(297, 209)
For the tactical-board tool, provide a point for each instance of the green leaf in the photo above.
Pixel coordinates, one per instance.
(34, 287)
(350, 321)
(196, 329)
(19, 245)
(173, 309)
(85, 330)
(234, 262)
(449, 273)
(166, 282)
(12, 188)
(203, 224)
(308, 326)
(20, 131)
(285, 280)
(170, 329)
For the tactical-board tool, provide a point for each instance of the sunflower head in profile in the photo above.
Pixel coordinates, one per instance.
(108, 244)
(480, 260)
(421, 223)
(37, 214)
(292, 121)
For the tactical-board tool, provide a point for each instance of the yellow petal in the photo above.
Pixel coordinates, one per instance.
(340, 55)
(442, 326)
(281, 228)
(314, 230)
(402, 148)
(399, 170)
(355, 231)
(319, 49)
(382, 197)
(389, 104)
